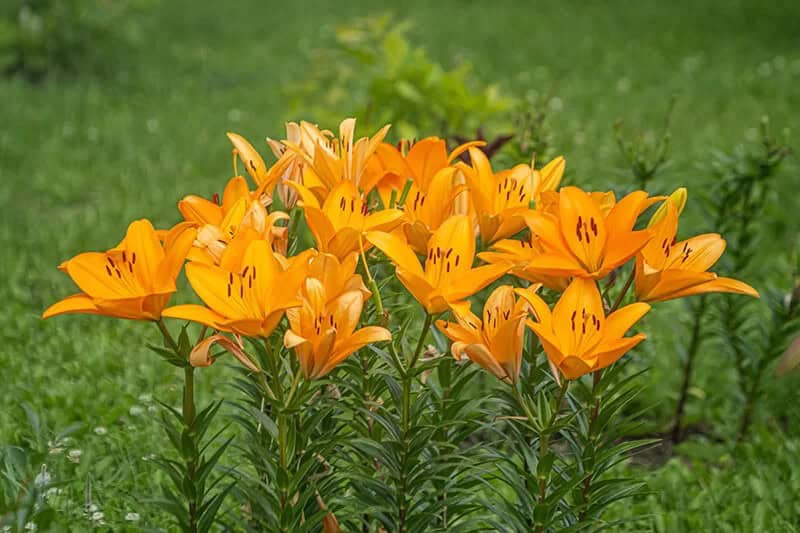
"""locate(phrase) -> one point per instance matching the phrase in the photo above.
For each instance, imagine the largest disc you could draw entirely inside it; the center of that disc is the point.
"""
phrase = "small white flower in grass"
(52, 492)
(98, 518)
(43, 478)
(30, 526)
(146, 398)
(100, 431)
(132, 517)
(136, 410)
(6, 529)
(74, 456)
(91, 508)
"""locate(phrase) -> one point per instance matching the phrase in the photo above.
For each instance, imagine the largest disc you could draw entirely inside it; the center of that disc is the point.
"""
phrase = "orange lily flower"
(519, 255)
(218, 224)
(495, 343)
(339, 223)
(392, 166)
(433, 190)
(133, 280)
(666, 269)
(306, 137)
(334, 273)
(323, 332)
(501, 199)
(581, 236)
(249, 301)
(264, 178)
(577, 336)
(448, 277)
(333, 162)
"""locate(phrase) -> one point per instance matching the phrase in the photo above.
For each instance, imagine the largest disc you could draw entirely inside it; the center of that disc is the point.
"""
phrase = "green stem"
(373, 287)
(293, 388)
(188, 423)
(691, 353)
(544, 441)
(587, 483)
(624, 290)
(407, 377)
(405, 419)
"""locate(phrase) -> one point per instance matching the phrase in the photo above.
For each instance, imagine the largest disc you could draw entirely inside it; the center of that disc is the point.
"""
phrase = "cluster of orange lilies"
(426, 210)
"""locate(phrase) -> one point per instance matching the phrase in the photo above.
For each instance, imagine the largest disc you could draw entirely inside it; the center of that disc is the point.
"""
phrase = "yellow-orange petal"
(199, 210)
(195, 313)
(396, 250)
(77, 303)
(352, 343)
(623, 319)
(250, 157)
(141, 238)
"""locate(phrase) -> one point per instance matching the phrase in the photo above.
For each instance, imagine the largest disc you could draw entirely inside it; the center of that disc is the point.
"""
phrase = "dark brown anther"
(130, 267)
(229, 291)
(230, 278)
(250, 283)
(352, 205)
(124, 257)
(241, 290)
(244, 272)
(252, 165)
(215, 198)
(133, 258)
(342, 204)
(119, 274)
(458, 258)
(254, 272)
(449, 251)
(594, 226)
(108, 270)
(111, 262)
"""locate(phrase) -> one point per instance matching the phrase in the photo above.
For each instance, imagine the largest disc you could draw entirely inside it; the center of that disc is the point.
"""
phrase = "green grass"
(81, 156)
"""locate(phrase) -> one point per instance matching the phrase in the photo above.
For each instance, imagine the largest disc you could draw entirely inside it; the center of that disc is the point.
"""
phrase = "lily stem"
(188, 421)
(624, 290)
(587, 483)
(405, 418)
(544, 441)
(373, 287)
(688, 366)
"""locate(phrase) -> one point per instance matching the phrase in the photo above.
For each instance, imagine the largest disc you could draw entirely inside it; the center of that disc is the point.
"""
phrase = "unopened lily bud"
(678, 199)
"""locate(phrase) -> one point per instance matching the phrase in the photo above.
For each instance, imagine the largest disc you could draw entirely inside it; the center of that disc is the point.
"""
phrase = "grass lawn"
(81, 156)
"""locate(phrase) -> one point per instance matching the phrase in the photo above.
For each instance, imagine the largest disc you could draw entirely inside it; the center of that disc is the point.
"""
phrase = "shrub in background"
(43, 37)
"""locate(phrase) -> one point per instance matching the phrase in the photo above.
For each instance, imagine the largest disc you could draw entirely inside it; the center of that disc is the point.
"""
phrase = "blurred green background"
(114, 111)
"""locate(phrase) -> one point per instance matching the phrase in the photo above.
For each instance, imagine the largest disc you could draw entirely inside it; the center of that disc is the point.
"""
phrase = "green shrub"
(41, 37)
(373, 71)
